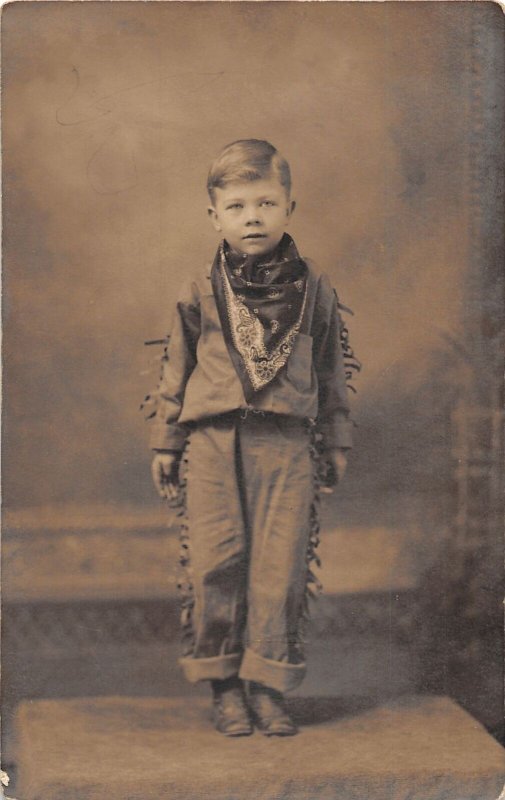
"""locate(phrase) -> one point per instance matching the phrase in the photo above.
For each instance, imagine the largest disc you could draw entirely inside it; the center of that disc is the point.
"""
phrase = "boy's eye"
(268, 203)
(234, 205)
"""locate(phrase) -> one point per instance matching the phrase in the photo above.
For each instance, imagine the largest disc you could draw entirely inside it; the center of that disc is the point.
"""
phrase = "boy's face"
(252, 215)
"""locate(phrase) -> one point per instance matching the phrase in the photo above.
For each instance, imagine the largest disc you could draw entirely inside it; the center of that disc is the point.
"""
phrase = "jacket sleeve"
(333, 422)
(177, 365)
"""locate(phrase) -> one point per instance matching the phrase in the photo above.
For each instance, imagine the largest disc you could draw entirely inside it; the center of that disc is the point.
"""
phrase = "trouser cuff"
(215, 668)
(276, 674)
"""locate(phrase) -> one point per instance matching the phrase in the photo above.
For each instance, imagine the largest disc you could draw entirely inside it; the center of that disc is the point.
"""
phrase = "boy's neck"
(237, 258)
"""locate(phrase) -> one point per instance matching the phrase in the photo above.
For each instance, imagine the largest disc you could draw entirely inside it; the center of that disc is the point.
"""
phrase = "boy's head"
(249, 186)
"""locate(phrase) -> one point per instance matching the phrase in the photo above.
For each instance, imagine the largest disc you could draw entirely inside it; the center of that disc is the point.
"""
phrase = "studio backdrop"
(389, 114)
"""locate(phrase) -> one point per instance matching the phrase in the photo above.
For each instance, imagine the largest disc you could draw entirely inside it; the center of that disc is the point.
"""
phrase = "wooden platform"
(119, 748)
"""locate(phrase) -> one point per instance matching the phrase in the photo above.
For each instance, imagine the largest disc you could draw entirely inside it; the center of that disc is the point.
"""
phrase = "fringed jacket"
(199, 380)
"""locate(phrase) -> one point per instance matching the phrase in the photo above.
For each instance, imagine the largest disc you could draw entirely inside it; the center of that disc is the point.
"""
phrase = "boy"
(254, 374)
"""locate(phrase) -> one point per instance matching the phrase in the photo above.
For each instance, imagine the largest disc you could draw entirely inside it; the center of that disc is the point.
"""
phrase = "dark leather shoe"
(231, 716)
(269, 713)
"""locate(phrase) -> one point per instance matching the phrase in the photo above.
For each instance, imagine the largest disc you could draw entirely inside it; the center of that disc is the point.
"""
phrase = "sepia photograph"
(253, 400)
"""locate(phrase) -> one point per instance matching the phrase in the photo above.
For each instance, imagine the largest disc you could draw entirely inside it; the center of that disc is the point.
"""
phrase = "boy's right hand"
(165, 472)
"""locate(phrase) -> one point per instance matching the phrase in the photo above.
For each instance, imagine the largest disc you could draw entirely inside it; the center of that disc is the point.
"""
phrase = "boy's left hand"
(338, 458)
(336, 461)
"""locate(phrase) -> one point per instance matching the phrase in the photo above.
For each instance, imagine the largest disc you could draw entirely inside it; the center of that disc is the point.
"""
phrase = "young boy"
(254, 374)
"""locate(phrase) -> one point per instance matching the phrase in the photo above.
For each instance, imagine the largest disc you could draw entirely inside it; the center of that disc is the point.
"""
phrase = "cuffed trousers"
(249, 495)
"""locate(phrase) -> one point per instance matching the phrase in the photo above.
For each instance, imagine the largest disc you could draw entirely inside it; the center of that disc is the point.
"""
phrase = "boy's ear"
(212, 213)
(291, 208)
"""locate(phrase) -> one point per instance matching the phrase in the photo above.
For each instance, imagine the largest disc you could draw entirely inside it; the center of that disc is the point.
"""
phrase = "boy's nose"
(253, 218)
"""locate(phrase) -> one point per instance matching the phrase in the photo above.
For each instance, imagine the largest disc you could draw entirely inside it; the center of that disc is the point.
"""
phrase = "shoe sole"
(266, 731)
(236, 734)
(277, 733)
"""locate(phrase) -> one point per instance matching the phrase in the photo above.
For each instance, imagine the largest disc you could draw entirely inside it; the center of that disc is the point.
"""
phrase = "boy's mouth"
(255, 236)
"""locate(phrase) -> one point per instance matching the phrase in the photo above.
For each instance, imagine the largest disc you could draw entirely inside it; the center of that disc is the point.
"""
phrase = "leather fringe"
(149, 404)
(352, 364)
(313, 586)
(185, 581)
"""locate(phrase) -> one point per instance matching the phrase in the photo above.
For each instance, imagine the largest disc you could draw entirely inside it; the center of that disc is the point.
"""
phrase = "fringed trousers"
(249, 494)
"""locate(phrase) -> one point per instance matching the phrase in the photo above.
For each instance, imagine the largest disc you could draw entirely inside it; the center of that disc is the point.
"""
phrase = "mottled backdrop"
(112, 113)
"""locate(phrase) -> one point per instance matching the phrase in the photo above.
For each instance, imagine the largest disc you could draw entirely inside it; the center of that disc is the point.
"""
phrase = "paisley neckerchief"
(260, 300)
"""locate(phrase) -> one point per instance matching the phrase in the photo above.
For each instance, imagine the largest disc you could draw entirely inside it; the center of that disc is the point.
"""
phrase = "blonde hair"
(248, 160)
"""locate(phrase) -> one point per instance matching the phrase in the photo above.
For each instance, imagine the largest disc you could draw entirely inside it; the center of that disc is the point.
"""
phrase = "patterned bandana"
(260, 300)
